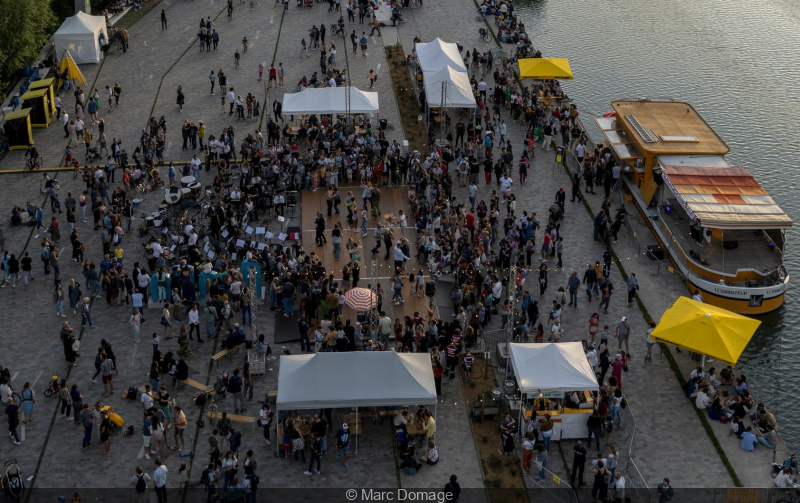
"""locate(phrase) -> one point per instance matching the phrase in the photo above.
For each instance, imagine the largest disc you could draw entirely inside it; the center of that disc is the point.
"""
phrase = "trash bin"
(384, 123)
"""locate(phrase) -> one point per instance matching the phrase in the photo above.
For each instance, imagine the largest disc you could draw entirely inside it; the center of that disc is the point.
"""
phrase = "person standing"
(665, 492)
(12, 416)
(179, 420)
(607, 289)
(343, 444)
(28, 401)
(86, 315)
(136, 322)
(235, 388)
(160, 481)
(139, 481)
(633, 286)
(88, 424)
(106, 369)
(265, 417)
(623, 332)
(194, 323)
(163, 19)
(316, 455)
(578, 463)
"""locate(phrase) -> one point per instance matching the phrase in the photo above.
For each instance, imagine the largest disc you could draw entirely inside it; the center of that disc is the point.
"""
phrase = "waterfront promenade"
(670, 439)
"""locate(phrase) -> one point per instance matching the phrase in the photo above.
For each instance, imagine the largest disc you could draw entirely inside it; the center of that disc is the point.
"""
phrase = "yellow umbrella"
(73, 72)
(544, 68)
(705, 329)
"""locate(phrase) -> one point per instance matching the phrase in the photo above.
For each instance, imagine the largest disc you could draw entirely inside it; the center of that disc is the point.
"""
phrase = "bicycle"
(485, 35)
(337, 30)
(31, 164)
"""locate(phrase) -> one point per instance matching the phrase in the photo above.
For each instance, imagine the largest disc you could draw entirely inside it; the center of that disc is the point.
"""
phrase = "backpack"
(204, 477)
(254, 478)
(141, 485)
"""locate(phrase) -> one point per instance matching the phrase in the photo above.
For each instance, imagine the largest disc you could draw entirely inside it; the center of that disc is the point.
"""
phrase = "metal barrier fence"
(635, 485)
(547, 486)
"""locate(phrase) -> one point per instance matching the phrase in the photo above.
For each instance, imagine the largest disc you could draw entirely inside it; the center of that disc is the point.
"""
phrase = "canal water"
(738, 64)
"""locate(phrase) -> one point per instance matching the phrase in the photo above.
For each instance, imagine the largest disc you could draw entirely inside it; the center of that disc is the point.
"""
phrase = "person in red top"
(273, 76)
(545, 246)
(437, 376)
(452, 359)
(471, 225)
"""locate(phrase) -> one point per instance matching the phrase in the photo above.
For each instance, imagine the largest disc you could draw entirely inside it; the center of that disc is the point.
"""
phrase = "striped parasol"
(360, 299)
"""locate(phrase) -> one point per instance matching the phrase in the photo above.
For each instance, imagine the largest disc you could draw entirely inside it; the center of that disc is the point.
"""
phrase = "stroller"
(12, 482)
(93, 154)
(221, 386)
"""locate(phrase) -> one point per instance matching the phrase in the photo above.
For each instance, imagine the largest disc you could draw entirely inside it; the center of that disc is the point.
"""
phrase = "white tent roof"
(79, 35)
(355, 379)
(329, 100)
(552, 367)
(458, 91)
(437, 54)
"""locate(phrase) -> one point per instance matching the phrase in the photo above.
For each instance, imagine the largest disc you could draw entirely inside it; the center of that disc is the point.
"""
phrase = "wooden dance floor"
(393, 199)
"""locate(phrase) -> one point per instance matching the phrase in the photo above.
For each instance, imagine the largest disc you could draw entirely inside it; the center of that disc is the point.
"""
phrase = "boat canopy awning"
(724, 198)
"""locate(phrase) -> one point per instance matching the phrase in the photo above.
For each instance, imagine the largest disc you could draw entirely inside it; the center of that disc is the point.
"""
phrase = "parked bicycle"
(485, 35)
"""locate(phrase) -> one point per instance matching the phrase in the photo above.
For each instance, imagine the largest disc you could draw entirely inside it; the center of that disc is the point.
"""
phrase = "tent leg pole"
(703, 362)
(358, 431)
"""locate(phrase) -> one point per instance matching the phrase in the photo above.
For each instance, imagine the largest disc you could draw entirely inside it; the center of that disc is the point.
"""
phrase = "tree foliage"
(25, 26)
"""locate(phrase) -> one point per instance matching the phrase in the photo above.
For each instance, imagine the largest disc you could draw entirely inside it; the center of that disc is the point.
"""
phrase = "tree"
(25, 26)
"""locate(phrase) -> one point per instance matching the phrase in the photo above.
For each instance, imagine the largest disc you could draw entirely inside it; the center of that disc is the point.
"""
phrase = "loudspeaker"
(430, 289)
(654, 252)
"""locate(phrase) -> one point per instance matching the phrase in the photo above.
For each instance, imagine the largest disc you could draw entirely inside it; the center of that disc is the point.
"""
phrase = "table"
(414, 426)
(302, 424)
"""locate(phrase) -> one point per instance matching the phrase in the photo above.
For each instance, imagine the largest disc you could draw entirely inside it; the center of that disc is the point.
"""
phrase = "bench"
(234, 418)
(222, 353)
(202, 387)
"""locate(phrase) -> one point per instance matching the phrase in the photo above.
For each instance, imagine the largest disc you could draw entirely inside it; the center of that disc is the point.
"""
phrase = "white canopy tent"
(437, 54)
(329, 100)
(457, 89)
(552, 367)
(355, 379)
(80, 35)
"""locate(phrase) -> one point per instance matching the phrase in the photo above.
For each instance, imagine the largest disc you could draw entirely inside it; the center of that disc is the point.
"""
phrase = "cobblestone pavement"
(667, 428)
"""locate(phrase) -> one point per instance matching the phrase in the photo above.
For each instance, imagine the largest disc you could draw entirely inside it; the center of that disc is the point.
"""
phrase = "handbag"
(298, 444)
(76, 345)
(164, 321)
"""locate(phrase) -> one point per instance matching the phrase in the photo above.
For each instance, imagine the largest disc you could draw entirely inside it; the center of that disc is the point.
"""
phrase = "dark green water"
(738, 64)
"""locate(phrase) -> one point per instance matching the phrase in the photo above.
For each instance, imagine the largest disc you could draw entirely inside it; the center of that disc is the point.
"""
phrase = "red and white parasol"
(361, 299)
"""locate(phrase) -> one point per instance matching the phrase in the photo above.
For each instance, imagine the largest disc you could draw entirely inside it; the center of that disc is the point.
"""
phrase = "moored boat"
(713, 221)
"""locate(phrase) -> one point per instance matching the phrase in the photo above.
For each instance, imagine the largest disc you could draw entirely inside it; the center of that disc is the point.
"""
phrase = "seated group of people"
(409, 460)
(703, 388)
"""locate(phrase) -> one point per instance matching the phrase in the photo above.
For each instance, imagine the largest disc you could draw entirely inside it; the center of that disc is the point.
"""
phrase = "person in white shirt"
(196, 164)
(194, 323)
(784, 478)
(231, 99)
(157, 251)
(146, 399)
(505, 185)
(619, 488)
(592, 357)
(160, 481)
(193, 237)
(702, 401)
